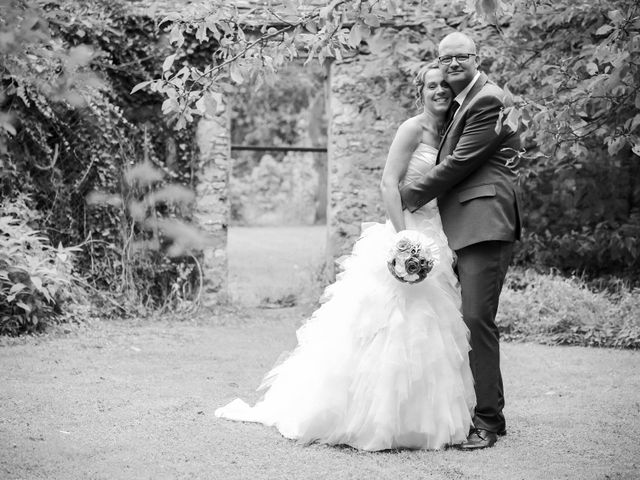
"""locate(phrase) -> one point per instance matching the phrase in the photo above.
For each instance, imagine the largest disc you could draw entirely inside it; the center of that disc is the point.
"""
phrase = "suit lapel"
(482, 80)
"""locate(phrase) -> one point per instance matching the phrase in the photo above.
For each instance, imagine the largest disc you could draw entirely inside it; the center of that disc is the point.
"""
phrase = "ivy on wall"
(69, 127)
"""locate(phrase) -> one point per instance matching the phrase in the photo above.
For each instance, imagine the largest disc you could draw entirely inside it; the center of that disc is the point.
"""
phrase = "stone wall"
(212, 210)
(358, 142)
(359, 139)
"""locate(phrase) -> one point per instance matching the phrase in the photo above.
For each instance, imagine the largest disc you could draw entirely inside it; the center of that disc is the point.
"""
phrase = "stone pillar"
(213, 137)
(358, 144)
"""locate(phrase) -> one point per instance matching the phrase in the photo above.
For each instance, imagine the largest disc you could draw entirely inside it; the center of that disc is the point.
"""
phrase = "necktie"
(449, 117)
(452, 111)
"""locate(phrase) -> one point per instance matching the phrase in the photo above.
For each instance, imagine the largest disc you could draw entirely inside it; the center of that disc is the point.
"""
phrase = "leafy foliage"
(71, 127)
(563, 311)
(276, 193)
(36, 279)
(150, 212)
(246, 47)
(572, 68)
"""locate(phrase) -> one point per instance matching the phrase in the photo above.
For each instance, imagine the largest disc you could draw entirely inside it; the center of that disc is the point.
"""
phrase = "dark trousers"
(481, 269)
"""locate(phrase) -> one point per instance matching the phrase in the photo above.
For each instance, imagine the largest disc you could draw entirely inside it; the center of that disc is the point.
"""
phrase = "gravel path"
(136, 400)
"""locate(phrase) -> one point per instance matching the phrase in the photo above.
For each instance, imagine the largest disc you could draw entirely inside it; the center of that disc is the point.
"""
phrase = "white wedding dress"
(380, 364)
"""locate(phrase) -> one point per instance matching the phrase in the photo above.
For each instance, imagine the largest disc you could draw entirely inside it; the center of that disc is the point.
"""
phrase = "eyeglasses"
(447, 59)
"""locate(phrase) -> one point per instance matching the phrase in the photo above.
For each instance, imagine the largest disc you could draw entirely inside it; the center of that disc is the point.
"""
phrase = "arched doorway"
(278, 189)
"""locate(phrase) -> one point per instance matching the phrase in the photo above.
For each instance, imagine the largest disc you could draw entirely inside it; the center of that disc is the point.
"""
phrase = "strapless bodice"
(422, 160)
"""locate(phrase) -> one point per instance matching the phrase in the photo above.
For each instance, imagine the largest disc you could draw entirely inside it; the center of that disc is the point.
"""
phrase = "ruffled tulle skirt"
(381, 364)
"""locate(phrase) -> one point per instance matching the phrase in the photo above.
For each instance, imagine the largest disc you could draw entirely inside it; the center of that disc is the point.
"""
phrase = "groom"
(477, 199)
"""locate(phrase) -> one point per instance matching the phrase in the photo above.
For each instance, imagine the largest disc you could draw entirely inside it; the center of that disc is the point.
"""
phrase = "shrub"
(556, 310)
(276, 193)
(158, 266)
(69, 126)
(36, 279)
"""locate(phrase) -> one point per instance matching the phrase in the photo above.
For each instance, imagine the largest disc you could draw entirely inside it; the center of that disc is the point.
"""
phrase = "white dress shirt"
(463, 94)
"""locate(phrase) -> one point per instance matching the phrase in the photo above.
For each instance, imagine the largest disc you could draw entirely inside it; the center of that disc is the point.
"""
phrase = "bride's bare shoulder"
(411, 127)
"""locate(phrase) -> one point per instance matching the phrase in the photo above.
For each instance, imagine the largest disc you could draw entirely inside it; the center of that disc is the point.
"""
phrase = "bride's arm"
(405, 142)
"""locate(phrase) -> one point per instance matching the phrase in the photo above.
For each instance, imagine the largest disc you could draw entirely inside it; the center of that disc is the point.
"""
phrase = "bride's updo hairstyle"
(418, 81)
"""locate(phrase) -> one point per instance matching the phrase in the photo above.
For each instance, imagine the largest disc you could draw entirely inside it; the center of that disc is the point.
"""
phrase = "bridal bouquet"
(412, 256)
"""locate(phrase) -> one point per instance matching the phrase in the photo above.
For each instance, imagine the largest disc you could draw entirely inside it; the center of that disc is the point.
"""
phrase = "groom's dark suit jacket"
(475, 187)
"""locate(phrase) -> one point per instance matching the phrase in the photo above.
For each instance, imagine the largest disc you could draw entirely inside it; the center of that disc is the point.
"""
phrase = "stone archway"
(357, 148)
(213, 137)
(358, 145)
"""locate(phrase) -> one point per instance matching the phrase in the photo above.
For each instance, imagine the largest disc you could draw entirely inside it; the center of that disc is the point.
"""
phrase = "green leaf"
(171, 17)
(201, 33)
(24, 306)
(170, 105)
(176, 36)
(508, 97)
(181, 123)
(371, 20)
(355, 37)
(200, 105)
(615, 145)
(37, 282)
(140, 86)
(513, 119)
(168, 62)
(212, 25)
(592, 68)
(605, 30)
(7, 127)
(18, 287)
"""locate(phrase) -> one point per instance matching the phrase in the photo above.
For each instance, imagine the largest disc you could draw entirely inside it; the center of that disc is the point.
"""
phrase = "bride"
(381, 364)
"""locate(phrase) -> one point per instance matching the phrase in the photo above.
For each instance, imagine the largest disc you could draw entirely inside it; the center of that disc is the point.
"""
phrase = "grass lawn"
(267, 264)
(135, 399)
(116, 400)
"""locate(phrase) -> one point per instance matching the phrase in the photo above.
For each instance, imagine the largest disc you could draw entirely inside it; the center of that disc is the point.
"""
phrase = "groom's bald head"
(458, 39)
(457, 56)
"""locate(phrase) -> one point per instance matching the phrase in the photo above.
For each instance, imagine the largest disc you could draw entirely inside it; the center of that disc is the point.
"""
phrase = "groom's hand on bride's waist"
(405, 198)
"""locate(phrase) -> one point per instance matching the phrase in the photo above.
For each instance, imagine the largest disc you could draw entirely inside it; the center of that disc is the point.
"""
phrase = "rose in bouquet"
(412, 256)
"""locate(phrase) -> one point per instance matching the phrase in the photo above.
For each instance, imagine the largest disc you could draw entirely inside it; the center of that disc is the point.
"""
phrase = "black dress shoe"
(501, 433)
(479, 438)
